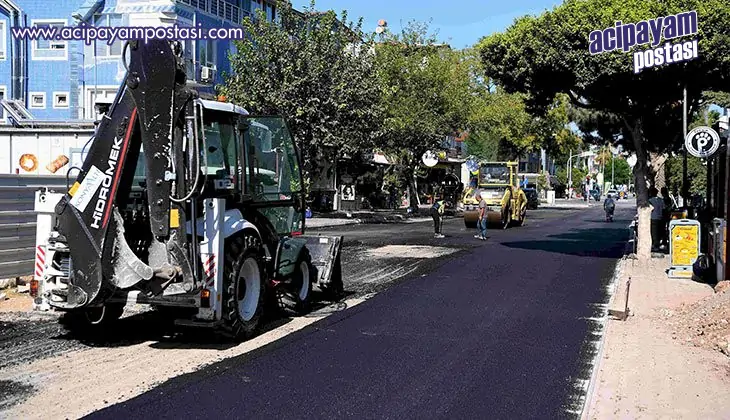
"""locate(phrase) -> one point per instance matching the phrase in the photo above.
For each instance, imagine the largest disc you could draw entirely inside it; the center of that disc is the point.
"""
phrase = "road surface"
(452, 327)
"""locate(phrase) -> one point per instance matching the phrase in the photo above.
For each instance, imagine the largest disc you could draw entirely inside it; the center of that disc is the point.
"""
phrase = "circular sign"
(429, 159)
(702, 142)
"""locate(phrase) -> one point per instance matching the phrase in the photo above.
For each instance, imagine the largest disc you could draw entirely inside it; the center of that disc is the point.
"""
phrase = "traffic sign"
(702, 142)
(429, 159)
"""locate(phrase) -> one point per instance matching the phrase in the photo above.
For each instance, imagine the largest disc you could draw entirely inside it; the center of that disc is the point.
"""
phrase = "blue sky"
(460, 23)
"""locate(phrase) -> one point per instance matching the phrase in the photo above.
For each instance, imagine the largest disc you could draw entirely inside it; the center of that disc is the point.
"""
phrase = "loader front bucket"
(325, 251)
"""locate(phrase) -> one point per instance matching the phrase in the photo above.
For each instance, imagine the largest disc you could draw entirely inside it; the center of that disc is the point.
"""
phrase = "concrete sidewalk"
(645, 368)
(568, 204)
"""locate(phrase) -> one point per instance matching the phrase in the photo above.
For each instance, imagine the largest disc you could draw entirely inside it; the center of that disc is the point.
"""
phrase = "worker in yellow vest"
(437, 212)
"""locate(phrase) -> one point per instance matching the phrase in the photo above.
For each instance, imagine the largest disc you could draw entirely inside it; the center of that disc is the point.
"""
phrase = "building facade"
(69, 80)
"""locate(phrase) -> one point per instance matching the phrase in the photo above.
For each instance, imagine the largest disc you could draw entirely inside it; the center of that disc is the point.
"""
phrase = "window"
(102, 95)
(101, 47)
(3, 41)
(494, 174)
(273, 165)
(221, 146)
(3, 116)
(49, 49)
(38, 100)
(60, 100)
(208, 53)
(272, 171)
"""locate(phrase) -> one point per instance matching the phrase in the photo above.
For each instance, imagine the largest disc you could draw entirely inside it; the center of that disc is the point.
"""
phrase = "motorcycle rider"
(609, 205)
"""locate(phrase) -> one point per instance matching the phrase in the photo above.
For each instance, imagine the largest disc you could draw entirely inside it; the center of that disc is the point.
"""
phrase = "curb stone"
(598, 358)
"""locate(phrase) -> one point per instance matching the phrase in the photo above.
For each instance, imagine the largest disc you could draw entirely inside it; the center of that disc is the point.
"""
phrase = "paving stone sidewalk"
(647, 371)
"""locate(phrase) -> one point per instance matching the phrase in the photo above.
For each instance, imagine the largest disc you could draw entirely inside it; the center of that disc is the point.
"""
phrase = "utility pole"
(570, 175)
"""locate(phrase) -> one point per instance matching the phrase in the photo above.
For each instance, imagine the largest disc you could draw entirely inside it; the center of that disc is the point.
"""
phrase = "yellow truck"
(499, 184)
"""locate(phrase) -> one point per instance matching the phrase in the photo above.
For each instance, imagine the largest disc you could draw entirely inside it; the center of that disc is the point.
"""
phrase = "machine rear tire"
(296, 298)
(244, 279)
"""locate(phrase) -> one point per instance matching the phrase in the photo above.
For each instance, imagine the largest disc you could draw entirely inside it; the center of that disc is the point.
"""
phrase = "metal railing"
(18, 220)
(220, 8)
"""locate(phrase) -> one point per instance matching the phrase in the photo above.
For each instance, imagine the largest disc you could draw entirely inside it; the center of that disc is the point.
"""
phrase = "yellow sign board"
(685, 244)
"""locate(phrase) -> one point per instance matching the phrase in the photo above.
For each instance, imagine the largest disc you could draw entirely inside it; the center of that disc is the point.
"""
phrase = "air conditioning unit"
(207, 74)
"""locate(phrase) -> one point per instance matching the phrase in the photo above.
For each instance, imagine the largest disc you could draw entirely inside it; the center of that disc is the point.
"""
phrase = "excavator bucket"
(325, 251)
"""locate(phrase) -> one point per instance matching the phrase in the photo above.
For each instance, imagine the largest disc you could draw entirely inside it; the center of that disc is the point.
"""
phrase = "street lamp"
(570, 169)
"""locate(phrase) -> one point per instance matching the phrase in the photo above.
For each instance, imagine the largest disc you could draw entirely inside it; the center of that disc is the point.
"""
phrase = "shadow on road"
(159, 328)
(594, 234)
(593, 242)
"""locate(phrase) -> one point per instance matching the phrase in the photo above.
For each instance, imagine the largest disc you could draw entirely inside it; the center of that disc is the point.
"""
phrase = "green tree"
(549, 54)
(318, 72)
(622, 174)
(425, 91)
(696, 174)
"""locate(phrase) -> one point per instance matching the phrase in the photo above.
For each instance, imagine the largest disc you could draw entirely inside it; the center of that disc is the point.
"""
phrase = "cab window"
(221, 146)
(272, 167)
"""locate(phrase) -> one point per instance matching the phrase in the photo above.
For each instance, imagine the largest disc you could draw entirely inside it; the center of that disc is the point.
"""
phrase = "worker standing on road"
(482, 222)
(437, 212)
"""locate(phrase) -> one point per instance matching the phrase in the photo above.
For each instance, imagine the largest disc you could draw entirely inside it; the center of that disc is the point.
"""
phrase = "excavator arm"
(149, 115)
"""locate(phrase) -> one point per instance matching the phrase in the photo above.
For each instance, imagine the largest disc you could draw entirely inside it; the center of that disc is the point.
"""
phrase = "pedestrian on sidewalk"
(657, 219)
(482, 221)
(437, 212)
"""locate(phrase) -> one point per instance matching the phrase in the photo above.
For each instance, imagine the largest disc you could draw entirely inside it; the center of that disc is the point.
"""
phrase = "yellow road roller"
(498, 183)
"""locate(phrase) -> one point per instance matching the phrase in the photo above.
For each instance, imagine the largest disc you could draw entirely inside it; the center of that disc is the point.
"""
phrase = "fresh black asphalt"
(503, 330)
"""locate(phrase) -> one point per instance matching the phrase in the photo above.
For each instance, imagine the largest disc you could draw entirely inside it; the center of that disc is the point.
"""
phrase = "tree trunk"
(641, 177)
(658, 169)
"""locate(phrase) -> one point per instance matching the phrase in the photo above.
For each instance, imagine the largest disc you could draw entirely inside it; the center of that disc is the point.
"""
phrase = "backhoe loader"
(182, 203)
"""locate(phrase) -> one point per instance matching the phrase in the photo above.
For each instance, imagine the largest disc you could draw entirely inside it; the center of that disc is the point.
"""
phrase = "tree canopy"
(545, 55)
(314, 69)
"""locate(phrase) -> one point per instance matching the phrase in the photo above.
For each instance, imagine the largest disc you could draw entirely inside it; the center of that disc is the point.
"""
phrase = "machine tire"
(296, 298)
(470, 225)
(335, 289)
(243, 256)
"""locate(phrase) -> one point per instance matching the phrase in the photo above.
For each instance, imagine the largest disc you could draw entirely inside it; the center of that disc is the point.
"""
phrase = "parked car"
(613, 193)
(532, 199)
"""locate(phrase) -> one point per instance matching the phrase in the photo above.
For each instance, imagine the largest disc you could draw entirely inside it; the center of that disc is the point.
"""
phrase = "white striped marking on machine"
(209, 267)
(40, 261)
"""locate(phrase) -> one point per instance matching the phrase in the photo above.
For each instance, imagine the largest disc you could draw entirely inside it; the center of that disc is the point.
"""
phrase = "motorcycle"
(609, 215)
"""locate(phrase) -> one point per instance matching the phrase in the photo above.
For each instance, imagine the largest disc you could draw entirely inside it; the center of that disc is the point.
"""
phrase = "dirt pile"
(705, 323)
